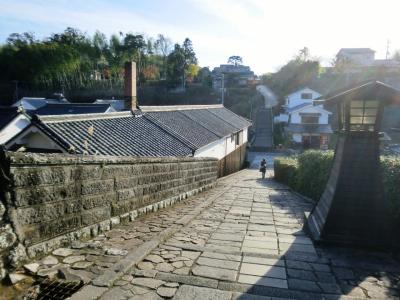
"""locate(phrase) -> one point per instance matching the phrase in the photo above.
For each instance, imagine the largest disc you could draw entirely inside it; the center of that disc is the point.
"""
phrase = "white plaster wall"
(282, 118)
(365, 59)
(294, 99)
(295, 117)
(12, 129)
(230, 145)
(245, 135)
(215, 149)
(37, 140)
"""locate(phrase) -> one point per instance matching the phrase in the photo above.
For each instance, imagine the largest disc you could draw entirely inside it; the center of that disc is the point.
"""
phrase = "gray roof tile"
(127, 135)
(210, 121)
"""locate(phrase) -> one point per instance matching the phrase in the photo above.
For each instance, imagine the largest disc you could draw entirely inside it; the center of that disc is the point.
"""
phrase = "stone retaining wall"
(52, 199)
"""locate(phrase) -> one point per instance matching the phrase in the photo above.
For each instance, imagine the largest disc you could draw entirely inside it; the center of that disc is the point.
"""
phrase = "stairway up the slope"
(263, 130)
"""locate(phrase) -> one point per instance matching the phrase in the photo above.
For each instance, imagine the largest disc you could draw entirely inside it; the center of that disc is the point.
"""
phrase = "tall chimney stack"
(130, 86)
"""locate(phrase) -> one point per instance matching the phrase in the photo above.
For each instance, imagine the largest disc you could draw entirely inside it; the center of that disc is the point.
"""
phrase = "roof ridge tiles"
(178, 107)
(85, 117)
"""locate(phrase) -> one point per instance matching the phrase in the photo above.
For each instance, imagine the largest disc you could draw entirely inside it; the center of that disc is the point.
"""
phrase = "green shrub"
(313, 172)
(391, 180)
(285, 170)
(308, 174)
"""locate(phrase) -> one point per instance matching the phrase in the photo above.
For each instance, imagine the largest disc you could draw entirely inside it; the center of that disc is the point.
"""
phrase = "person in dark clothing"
(263, 167)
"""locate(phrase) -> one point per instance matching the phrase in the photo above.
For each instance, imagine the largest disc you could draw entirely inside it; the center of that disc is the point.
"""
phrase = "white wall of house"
(230, 144)
(215, 149)
(295, 117)
(38, 140)
(245, 135)
(35, 139)
(13, 128)
(221, 148)
(281, 118)
(364, 58)
(305, 95)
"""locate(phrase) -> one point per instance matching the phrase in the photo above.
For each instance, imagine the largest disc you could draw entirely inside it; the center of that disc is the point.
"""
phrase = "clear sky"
(266, 33)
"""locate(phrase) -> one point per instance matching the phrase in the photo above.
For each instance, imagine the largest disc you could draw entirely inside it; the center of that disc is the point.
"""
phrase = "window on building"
(363, 115)
(239, 138)
(309, 119)
(306, 95)
(232, 138)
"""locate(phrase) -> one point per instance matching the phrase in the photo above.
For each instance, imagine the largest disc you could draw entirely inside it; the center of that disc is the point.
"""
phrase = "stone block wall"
(52, 199)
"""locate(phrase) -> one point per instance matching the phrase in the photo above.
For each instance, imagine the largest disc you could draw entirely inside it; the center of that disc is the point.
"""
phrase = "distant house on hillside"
(307, 123)
(31, 103)
(238, 75)
(355, 60)
(309, 126)
(358, 56)
(301, 96)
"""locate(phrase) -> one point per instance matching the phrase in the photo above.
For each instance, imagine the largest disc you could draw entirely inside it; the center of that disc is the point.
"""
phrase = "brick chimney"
(130, 86)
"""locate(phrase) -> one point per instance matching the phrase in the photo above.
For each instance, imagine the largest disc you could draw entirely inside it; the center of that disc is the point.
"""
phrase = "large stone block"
(97, 187)
(124, 183)
(122, 207)
(35, 176)
(47, 212)
(85, 172)
(92, 201)
(44, 194)
(96, 215)
(45, 230)
(7, 237)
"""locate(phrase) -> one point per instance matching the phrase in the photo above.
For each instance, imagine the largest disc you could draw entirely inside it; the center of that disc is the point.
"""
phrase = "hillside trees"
(73, 60)
(298, 72)
(180, 64)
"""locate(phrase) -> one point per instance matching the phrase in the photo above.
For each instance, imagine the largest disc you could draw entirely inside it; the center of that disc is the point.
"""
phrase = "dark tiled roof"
(7, 114)
(62, 109)
(210, 121)
(309, 128)
(113, 134)
(356, 50)
(180, 124)
(230, 117)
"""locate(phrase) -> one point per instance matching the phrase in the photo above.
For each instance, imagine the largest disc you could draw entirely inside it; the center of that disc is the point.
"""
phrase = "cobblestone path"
(240, 240)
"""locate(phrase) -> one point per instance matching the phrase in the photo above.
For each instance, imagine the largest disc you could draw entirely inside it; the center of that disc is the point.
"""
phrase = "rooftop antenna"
(223, 88)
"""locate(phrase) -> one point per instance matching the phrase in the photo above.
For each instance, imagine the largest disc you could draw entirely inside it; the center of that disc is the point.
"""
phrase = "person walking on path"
(263, 167)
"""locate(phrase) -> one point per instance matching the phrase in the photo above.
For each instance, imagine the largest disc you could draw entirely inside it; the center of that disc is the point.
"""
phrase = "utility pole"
(223, 88)
(387, 49)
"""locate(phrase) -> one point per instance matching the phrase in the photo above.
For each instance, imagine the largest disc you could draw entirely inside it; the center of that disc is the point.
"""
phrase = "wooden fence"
(233, 162)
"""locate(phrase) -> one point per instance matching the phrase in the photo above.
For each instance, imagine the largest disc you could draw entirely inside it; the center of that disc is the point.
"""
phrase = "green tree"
(179, 61)
(235, 60)
(298, 72)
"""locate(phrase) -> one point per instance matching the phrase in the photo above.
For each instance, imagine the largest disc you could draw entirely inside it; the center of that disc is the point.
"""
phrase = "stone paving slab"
(247, 244)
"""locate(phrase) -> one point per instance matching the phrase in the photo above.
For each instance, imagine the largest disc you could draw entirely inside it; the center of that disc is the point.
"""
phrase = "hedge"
(308, 174)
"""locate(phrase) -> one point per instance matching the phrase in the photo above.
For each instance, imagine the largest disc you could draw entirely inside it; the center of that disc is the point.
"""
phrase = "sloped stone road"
(248, 243)
(240, 240)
